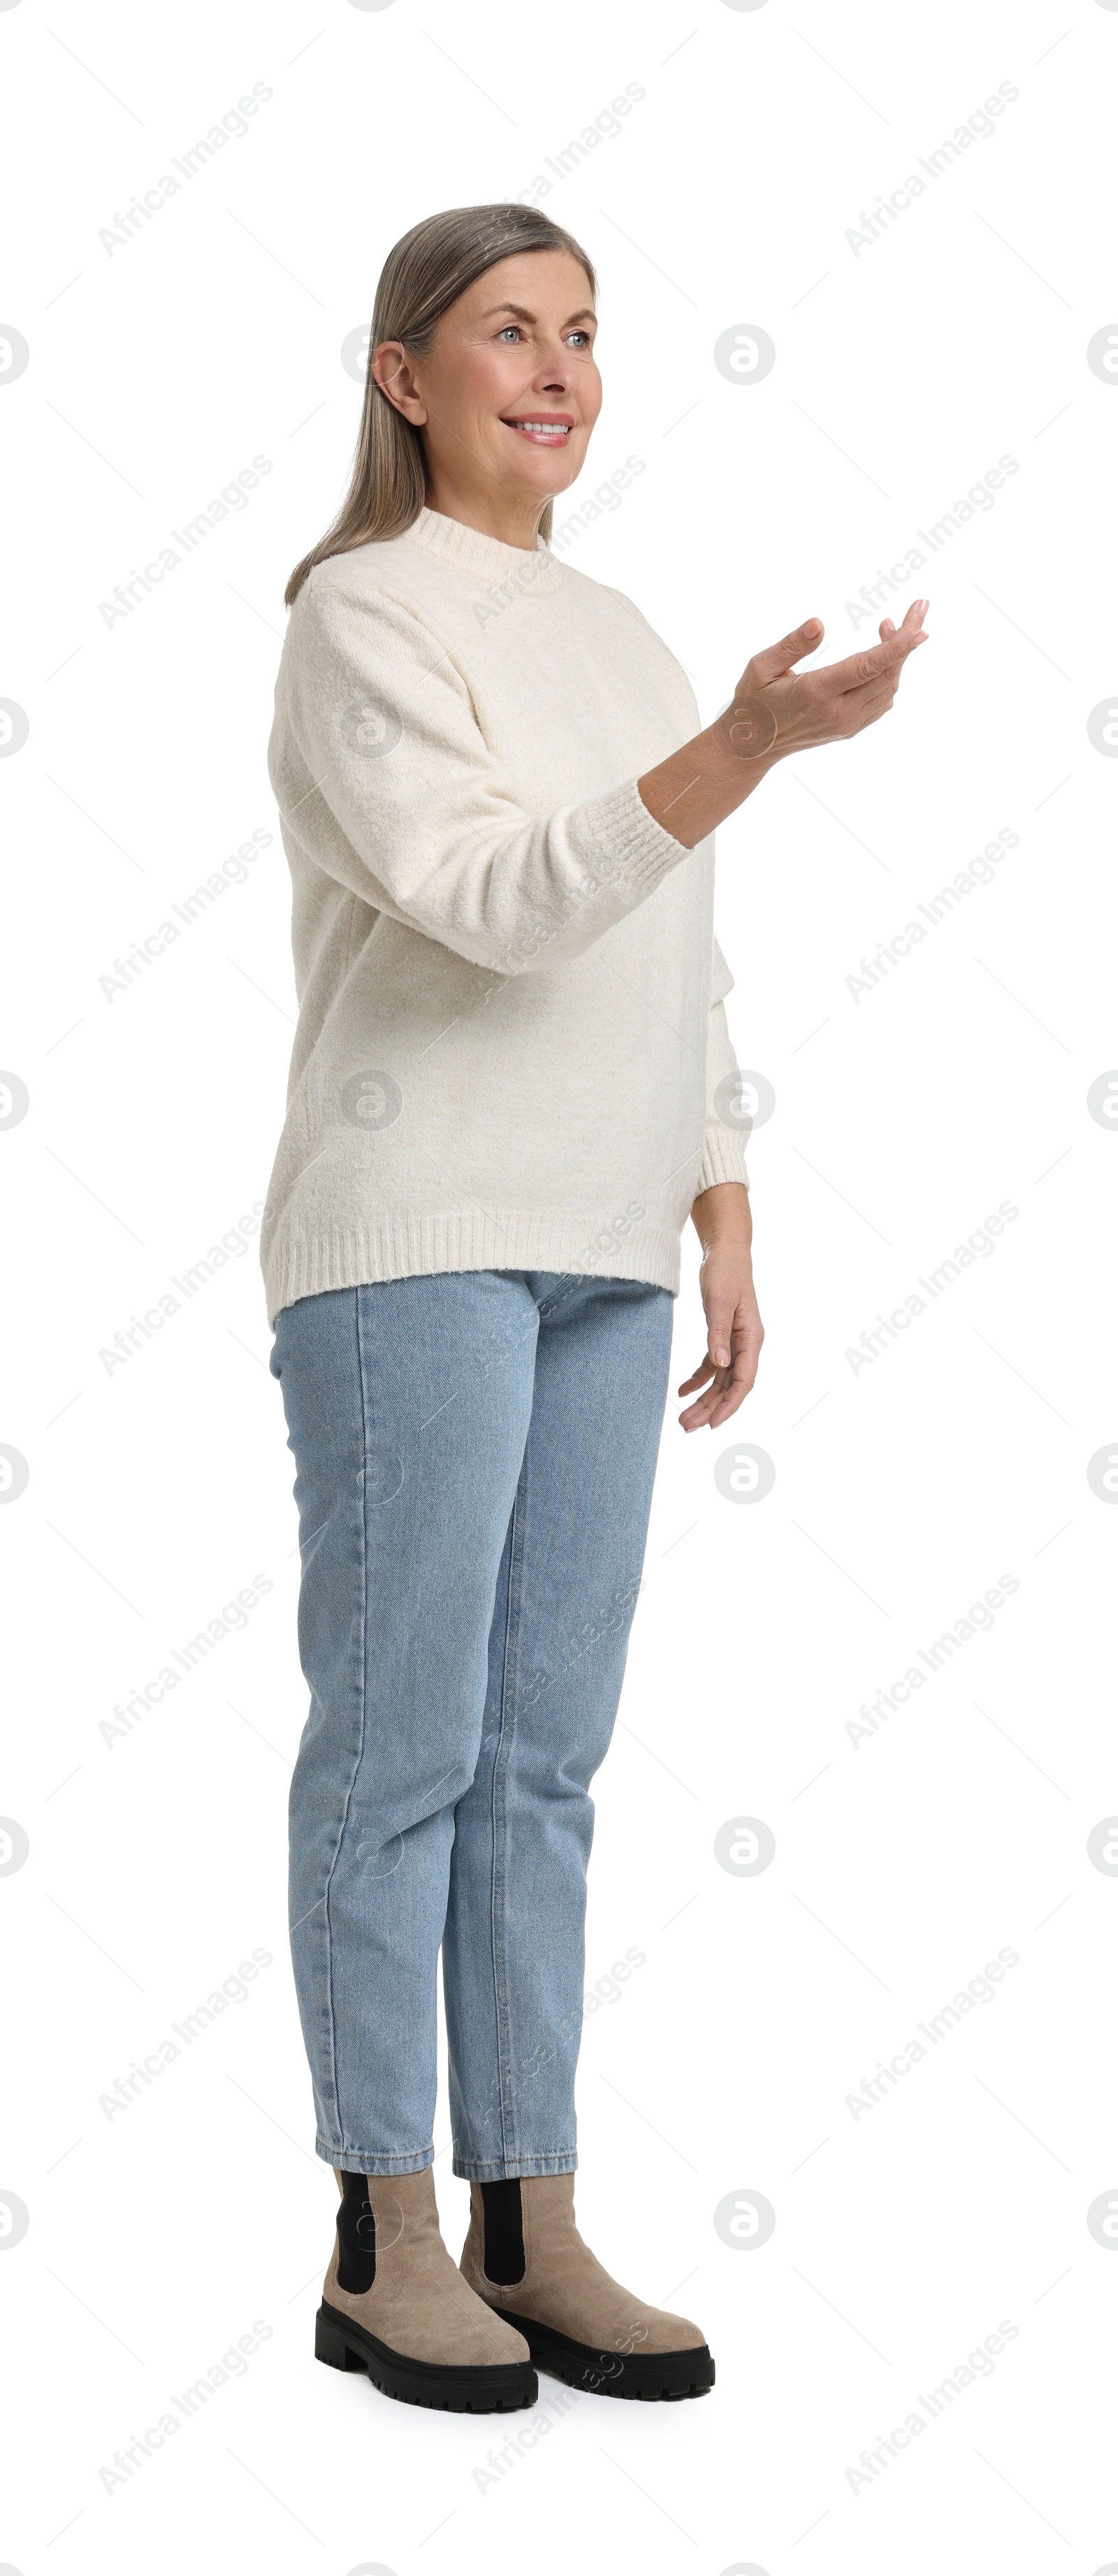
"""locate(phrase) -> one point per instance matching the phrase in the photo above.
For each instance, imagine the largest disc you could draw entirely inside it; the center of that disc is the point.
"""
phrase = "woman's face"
(509, 391)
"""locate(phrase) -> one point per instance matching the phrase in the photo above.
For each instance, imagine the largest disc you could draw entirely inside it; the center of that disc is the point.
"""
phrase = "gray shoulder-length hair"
(424, 274)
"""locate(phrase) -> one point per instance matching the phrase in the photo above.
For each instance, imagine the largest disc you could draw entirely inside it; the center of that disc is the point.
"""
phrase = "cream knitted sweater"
(510, 1030)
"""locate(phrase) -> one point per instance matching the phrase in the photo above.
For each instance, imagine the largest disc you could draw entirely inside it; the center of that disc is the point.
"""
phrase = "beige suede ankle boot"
(394, 2303)
(525, 2257)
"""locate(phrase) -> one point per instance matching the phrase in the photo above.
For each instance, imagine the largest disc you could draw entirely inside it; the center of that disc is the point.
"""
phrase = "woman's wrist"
(722, 1215)
(702, 784)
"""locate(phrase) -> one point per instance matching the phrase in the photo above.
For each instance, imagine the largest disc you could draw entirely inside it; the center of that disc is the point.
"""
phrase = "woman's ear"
(392, 370)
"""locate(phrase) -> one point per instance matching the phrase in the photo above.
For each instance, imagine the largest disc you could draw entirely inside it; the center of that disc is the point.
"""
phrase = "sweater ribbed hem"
(414, 1247)
(723, 1159)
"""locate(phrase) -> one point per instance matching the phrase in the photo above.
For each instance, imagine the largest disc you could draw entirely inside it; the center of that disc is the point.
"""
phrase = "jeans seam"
(363, 1599)
(499, 1819)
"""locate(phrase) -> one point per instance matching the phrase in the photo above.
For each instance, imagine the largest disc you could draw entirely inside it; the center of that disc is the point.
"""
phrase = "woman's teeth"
(547, 433)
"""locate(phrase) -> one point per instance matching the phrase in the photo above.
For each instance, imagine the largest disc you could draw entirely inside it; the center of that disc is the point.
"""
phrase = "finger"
(699, 1377)
(913, 617)
(874, 703)
(877, 707)
(730, 1385)
(885, 686)
(877, 692)
(779, 658)
(747, 1358)
(698, 1415)
(886, 629)
(874, 664)
(721, 1310)
(729, 1390)
(729, 1402)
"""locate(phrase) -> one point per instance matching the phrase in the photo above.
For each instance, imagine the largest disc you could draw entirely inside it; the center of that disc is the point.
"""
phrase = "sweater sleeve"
(379, 761)
(727, 1123)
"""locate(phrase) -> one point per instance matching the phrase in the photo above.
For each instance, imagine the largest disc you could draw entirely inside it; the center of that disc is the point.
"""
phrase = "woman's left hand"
(723, 1222)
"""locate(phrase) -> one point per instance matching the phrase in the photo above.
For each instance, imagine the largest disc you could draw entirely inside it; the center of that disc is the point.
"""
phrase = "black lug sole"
(648, 2375)
(485, 2388)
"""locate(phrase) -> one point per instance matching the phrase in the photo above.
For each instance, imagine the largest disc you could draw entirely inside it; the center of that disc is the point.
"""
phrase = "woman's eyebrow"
(587, 314)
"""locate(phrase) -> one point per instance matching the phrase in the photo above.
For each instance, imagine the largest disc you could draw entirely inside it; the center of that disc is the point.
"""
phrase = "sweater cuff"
(723, 1159)
(632, 841)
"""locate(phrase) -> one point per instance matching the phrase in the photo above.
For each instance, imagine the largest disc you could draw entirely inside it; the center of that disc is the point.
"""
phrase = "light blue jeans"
(474, 1456)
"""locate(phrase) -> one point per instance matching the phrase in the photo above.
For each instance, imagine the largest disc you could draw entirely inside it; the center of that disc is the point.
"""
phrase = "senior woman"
(506, 1096)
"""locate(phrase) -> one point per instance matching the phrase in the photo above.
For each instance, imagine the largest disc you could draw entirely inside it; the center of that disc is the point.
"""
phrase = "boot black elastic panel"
(357, 2236)
(504, 2232)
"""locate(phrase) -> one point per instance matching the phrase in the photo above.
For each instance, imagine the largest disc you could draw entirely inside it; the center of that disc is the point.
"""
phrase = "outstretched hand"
(777, 709)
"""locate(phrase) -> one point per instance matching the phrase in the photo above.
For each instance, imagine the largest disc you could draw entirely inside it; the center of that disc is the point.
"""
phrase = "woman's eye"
(511, 331)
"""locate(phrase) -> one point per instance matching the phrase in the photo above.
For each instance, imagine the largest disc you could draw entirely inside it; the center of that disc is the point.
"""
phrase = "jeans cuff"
(513, 2168)
(346, 2160)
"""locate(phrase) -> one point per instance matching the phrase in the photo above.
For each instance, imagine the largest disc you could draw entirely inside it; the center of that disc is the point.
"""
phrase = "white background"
(904, 1860)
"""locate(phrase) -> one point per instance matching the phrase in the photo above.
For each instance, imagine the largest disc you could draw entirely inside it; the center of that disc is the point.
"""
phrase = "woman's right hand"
(777, 710)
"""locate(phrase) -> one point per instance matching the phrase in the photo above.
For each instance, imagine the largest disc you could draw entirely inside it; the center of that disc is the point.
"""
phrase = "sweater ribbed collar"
(468, 547)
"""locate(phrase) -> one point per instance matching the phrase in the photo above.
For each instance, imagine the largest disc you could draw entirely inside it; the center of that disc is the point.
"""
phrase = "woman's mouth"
(545, 428)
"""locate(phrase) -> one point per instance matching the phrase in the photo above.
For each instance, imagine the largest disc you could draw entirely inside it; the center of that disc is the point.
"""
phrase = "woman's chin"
(540, 471)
